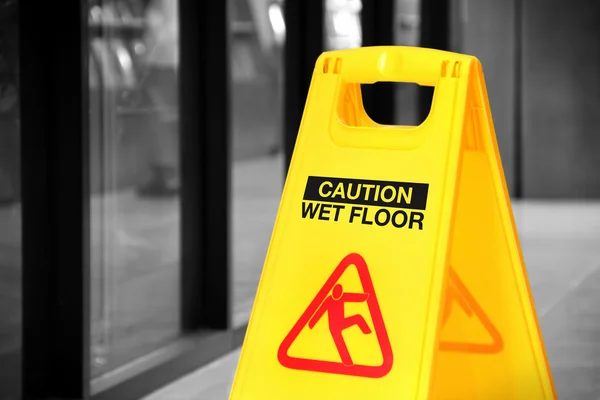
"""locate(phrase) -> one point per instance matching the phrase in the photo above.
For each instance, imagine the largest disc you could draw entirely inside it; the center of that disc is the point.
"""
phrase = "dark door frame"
(55, 199)
(304, 36)
(435, 34)
(377, 18)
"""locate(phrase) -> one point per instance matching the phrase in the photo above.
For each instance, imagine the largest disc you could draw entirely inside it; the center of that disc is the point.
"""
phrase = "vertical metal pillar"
(304, 44)
(55, 199)
(518, 103)
(378, 30)
(435, 34)
(206, 166)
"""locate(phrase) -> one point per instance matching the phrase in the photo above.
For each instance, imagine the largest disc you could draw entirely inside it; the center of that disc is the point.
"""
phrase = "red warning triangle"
(333, 304)
(457, 293)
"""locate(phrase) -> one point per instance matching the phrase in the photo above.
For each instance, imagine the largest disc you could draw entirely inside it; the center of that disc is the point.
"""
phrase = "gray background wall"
(560, 72)
(561, 98)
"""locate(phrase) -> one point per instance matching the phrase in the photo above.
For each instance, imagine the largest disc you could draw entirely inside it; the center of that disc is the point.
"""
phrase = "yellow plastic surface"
(416, 226)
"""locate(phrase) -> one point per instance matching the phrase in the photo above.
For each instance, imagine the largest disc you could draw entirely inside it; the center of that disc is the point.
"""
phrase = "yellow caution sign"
(394, 269)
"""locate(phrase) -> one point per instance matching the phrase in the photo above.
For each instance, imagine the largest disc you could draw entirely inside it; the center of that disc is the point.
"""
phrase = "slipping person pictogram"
(332, 299)
(334, 305)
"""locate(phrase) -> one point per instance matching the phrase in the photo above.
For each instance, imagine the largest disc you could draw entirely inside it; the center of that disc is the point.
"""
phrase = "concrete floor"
(560, 245)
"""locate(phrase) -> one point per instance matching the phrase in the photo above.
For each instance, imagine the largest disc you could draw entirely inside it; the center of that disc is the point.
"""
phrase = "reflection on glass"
(257, 111)
(343, 29)
(134, 117)
(277, 22)
(10, 213)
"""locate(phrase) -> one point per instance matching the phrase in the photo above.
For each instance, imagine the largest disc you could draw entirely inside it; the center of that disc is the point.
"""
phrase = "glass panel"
(135, 205)
(258, 170)
(10, 212)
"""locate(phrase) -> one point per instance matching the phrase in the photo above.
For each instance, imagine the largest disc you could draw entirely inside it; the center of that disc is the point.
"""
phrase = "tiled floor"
(560, 242)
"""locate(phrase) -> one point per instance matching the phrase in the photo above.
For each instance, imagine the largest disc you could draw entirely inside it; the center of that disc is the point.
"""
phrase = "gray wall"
(561, 98)
(560, 88)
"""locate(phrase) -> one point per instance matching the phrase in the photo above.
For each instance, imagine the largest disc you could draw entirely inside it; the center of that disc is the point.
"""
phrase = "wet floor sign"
(394, 269)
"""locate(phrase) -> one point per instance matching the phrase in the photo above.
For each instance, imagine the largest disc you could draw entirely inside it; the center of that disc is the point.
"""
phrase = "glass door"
(134, 178)
(256, 91)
